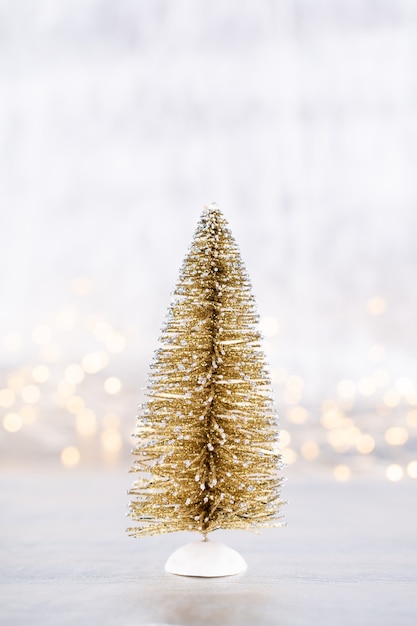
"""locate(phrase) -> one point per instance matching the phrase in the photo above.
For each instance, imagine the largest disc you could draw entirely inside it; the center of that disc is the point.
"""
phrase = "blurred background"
(118, 122)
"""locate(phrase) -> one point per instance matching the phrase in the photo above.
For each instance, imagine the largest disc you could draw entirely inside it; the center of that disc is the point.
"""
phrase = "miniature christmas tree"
(207, 434)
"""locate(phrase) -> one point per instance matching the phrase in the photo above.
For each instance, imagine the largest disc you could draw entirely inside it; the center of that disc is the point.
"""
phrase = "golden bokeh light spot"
(291, 397)
(289, 456)
(41, 373)
(51, 353)
(112, 385)
(411, 417)
(70, 456)
(66, 319)
(7, 397)
(297, 414)
(111, 440)
(329, 404)
(412, 469)
(30, 394)
(41, 334)
(74, 404)
(115, 343)
(12, 422)
(12, 342)
(332, 418)
(111, 420)
(342, 472)
(404, 386)
(396, 435)
(74, 374)
(284, 438)
(81, 285)
(411, 398)
(28, 413)
(337, 439)
(392, 398)
(279, 375)
(310, 450)
(394, 472)
(86, 422)
(365, 444)
(376, 305)
(294, 384)
(93, 362)
(346, 388)
(366, 387)
(377, 353)
(352, 435)
(269, 326)
(65, 389)
(102, 331)
(91, 321)
(381, 377)
(16, 382)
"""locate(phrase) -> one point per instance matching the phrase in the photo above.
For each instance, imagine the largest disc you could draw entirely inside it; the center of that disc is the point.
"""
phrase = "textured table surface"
(348, 556)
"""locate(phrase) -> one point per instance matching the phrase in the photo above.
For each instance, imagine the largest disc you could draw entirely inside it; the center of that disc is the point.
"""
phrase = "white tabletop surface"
(347, 557)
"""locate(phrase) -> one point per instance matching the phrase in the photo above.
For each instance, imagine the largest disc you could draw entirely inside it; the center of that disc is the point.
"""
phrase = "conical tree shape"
(207, 434)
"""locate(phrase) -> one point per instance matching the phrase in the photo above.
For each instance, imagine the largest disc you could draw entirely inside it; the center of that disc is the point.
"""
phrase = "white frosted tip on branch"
(210, 208)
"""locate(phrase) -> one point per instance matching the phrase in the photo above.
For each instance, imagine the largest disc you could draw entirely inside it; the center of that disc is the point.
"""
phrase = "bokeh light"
(51, 353)
(70, 456)
(7, 397)
(66, 319)
(75, 404)
(284, 438)
(279, 375)
(396, 435)
(381, 377)
(12, 342)
(394, 472)
(28, 413)
(346, 388)
(102, 330)
(30, 394)
(366, 387)
(93, 362)
(310, 450)
(376, 305)
(65, 388)
(365, 444)
(412, 469)
(81, 285)
(392, 398)
(297, 414)
(411, 418)
(86, 422)
(112, 385)
(377, 353)
(289, 456)
(404, 386)
(269, 326)
(42, 334)
(12, 422)
(74, 374)
(111, 440)
(15, 382)
(342, 472)
(115, 343)
(41, 373)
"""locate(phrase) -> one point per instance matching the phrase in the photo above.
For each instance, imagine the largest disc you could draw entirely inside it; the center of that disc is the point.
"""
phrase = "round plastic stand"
(207, 559)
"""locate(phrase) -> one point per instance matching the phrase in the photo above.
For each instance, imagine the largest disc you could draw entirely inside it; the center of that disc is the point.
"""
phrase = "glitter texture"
(206, 455)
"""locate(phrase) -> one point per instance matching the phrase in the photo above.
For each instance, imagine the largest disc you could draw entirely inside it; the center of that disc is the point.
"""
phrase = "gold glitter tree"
(207, 434)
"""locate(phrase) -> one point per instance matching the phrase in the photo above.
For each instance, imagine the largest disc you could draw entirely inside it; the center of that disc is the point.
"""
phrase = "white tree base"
(207, 559)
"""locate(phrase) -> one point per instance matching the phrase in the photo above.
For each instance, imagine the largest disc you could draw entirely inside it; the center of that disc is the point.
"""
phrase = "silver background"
(120, 120)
